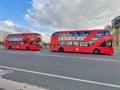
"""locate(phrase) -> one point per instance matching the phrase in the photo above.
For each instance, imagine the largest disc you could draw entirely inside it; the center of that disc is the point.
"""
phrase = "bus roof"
(24, 33)
(81, 30)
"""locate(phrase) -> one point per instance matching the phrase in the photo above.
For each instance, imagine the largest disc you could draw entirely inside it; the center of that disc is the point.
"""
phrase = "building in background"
(116, 31)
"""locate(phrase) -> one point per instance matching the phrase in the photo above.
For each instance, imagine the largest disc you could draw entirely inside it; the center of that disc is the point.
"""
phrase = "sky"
(14, 10)
(47, 16)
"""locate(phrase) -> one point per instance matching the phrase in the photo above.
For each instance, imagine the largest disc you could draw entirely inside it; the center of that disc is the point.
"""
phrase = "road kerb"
(12, 85)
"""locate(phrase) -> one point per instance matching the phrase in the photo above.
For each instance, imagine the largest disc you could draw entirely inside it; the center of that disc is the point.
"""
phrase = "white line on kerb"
(62, 77)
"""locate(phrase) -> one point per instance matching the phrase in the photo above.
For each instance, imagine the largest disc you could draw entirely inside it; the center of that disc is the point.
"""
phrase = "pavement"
(12, 85)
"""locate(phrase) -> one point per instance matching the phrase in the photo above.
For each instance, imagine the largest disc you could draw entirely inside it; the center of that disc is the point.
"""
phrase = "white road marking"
(4, 72)
(50, 55)
(37, 52)
(62, 77)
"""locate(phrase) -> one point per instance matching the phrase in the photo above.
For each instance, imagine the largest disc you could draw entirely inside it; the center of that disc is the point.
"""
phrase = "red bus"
(28, 41)
(86, 41)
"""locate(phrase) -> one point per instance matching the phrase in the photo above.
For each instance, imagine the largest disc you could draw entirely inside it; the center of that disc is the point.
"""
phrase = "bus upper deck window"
(107, 32)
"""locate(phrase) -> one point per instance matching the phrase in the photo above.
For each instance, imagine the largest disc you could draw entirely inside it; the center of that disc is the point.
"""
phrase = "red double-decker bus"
(28, 41)
(86, 41)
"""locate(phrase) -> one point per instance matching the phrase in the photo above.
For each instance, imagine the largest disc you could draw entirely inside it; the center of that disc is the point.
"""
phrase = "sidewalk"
(11, 85)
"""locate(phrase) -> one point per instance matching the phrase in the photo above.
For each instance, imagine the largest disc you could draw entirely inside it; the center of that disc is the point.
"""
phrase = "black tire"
(61, 50)
(27, 48)
(96, 51)
(9, 47)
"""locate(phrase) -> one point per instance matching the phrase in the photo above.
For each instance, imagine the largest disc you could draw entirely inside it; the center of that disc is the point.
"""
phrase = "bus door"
(54, 43)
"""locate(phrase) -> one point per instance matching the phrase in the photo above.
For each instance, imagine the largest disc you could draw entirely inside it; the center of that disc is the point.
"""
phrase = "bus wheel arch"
(96, 51)
(61, 49)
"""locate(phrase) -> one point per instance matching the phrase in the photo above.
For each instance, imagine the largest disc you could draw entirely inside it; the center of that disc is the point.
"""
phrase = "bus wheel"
(9, 47)
(96, 51)
(27, 48)
(61, 50)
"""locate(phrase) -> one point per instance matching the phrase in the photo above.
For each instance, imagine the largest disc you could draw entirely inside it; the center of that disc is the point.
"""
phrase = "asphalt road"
(62, 71)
